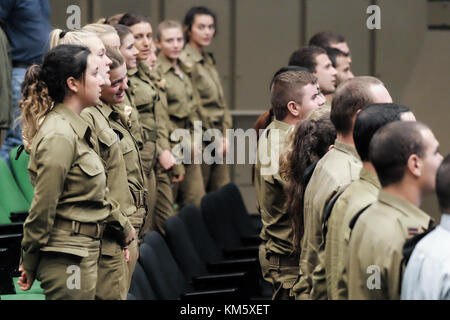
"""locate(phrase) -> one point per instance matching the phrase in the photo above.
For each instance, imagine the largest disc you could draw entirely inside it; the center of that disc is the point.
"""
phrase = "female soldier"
(112, 271)
(199, 27)
(114, 96)
(149, 97)
(62, 233)
(309, 141)
(105, 32)
(182, 105)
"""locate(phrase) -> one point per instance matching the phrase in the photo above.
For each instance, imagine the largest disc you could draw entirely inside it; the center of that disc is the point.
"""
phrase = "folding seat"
(12, 200)
(166, 278)
(248, 226)
(140, 288)
(219, 221)
(241, 273)
(19, 168)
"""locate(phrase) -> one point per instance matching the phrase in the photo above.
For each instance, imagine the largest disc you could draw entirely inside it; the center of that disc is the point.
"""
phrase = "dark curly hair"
(309, 141)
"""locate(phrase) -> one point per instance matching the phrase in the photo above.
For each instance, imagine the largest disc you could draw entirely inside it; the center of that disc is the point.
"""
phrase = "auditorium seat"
(19, 169)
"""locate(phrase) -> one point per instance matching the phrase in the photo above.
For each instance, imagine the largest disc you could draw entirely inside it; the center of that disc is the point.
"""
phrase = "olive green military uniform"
(164, 198)
(135, 175)
(340, 166)
(214, 112)
(182, 112)
(61, 242)
(271, 202)
(143, 93)
(375, 266)
(356, 197)
(112, 270)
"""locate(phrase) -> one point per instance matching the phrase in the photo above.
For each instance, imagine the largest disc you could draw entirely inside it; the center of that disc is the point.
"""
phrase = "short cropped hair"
(333, 53)
(443, 185)
(370, 119)
(306, 57)
(391, 147)
(325, 39)
(285, 69)
(350, 96)
(285, 88)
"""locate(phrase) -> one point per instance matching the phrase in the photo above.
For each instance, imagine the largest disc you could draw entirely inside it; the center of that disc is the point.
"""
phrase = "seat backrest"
(165, 276)
(183, 249)
(202, 240)
(140, 287)
(242, 221)
(12, 199)
(19, 169)
(219, 221)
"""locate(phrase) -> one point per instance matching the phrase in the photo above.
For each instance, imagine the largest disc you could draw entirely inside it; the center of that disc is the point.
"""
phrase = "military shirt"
(375, 249)
(357, 196)
(271, 198)
(206, 81)
(145, 95)
(133, 164)
(99, 118)
(135, 125)
(69, 182)
(338, 167)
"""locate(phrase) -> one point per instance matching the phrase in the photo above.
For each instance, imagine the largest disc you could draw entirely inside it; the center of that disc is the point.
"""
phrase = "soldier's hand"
(26, 279)
(130, 237)
(166, 159)
(178, 178)
(126, 254)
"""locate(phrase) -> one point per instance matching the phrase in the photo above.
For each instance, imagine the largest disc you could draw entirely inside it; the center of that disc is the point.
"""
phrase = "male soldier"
(340, 166)
(328, 39)
(294, 94)
(317, 61)
(341, 64)
(406, 157)
(357, 196)
(426, 274)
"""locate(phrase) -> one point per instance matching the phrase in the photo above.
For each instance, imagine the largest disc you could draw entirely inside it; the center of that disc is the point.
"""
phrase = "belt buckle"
(76, 226)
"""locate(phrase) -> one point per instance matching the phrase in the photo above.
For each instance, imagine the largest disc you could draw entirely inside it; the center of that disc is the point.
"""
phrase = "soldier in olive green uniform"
(338, 168)
(122, 123)
(61, 243)
(183, 104)
(375, 266)
(277, 233)
(206, 81)
(112, 271)
(357, 196)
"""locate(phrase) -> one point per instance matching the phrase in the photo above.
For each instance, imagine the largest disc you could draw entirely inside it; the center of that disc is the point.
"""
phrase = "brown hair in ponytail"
(43, 86)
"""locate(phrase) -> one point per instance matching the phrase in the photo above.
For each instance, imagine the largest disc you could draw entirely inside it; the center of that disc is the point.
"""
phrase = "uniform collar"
(78, 125)
(346, 148)
(193, 53)
(404, 206)
(281, 125)
(132, 72)
(370, 177)
(164, 63)
(104, 108)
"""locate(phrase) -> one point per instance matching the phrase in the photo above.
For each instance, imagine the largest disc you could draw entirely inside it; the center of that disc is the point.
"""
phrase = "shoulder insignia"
(212, 57)
(413, 231)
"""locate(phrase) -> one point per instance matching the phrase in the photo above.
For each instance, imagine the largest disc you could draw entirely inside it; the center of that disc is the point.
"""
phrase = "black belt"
(93, 230)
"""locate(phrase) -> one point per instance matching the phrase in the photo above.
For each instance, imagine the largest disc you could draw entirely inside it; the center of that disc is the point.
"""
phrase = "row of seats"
(205, 255)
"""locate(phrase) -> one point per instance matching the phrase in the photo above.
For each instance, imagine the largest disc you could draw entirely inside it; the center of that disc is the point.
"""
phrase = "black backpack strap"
(352, 223)
(327, 213)
(411, 243)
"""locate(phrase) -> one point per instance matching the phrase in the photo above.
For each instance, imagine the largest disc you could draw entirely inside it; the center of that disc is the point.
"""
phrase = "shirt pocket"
(144, 96)
(126, 145)
(205, 85)
(107, 137)
(90, 168)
